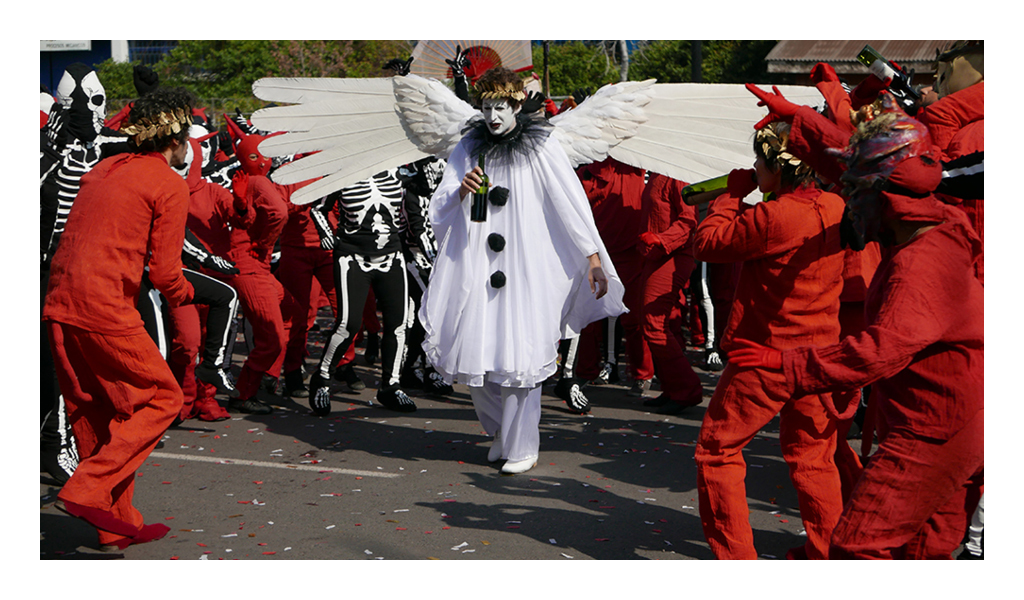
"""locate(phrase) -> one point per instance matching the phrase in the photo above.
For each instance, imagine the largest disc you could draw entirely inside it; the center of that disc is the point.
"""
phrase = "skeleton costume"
(505, 291)
(420, 179)
(368, 254)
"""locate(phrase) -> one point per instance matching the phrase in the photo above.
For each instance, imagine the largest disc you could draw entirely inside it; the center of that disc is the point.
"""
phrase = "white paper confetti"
(460, 546)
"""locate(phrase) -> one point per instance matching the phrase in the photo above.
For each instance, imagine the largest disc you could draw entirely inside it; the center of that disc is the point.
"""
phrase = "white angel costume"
(501, 341)
(502, 332)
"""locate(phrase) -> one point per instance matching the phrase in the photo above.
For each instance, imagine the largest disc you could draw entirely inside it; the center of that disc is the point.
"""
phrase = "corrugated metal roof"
(833, 51)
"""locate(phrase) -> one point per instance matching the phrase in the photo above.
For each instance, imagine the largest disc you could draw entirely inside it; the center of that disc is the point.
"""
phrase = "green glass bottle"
(478, 210)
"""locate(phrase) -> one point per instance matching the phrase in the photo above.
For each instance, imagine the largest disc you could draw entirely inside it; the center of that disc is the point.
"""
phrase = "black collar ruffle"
(526, 137)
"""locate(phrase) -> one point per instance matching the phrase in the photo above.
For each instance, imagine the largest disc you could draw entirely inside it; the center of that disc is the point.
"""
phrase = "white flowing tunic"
(509, 335)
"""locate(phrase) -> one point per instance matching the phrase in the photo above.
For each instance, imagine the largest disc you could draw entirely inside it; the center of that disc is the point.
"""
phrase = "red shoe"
(147, 533)
(208, 409)
(100, 519)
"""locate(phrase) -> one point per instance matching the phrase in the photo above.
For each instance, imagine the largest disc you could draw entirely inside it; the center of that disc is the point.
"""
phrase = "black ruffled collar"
(526, 137)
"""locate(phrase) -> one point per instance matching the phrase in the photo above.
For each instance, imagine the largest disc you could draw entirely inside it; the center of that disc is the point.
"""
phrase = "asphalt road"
(366, 483)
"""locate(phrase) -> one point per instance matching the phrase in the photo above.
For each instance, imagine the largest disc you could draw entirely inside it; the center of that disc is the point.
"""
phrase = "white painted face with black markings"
(499, 115)
(83, 92)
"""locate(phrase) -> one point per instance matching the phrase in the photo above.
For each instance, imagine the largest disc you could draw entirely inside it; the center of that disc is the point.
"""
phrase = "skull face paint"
(499, 115)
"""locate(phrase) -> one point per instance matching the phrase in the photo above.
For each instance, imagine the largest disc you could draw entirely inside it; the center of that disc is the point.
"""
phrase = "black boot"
(294, 386)
(348, 375)
(434, 384)
(395, 399)
(218, 378)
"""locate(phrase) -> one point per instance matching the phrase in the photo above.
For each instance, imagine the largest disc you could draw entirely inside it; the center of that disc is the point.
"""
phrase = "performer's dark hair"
(146, 112)
(499, 82)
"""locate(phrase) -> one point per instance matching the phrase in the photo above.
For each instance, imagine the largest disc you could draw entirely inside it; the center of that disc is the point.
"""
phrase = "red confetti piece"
(428, 532)
(168, 518)
(784, 520)
(258, 482)
(656, 530)
(262, 544)
(166, 482)
(602, 539)
(200, 544)
(446, 527)
(271, 552)
(174, 558)
(512, 527)
(400, 529)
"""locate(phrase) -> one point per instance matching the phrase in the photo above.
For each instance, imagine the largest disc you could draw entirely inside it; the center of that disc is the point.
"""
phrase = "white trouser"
(513, 411)
(976, 529)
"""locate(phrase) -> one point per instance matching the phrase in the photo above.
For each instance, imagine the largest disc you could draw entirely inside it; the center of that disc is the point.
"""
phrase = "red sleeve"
(679, 234)
(167, 236)
(838, 104)
(916, 311)
(271, 214)
(948, 115)
(810, 136)
(735, 232)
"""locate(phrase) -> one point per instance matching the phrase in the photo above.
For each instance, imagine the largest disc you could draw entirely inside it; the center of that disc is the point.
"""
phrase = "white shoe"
(494, 454)
(519, 466)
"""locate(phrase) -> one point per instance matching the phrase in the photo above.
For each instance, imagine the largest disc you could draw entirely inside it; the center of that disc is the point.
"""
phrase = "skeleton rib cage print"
(371, 216)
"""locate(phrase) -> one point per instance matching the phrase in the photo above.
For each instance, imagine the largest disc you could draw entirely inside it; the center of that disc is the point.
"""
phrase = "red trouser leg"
(851, 322)
(262, 295)
(629, 266)
(662, 327)
(121, 397)
(912, 499)
(744, 401)
(303, 271)
(186, 339)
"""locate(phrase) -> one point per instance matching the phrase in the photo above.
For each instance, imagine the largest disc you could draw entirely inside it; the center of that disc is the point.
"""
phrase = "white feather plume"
(611, 115)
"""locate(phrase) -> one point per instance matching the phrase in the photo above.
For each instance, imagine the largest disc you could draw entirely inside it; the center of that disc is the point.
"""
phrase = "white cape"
(509, 335)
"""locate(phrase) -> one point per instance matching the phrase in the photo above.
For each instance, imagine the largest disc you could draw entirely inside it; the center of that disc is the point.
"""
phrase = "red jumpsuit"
(261, 293)
(666, 270)
(303, 263)
(923, 352)
(615, 190)
(957, 125)
(787, 296)
(120, 393)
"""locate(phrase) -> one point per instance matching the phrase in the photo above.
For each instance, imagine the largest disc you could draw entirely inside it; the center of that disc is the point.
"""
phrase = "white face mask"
(499, 115)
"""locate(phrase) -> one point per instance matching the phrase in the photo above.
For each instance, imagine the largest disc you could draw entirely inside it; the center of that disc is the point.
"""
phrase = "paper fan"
(430, 57)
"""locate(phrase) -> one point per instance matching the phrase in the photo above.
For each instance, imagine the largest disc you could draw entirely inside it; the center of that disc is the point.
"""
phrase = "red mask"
(249, 145)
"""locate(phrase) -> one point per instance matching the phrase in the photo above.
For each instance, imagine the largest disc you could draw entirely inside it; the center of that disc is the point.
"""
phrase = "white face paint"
(499, 115)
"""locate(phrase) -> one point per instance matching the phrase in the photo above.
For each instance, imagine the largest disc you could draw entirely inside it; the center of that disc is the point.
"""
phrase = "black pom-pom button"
(498, 196)
(496, 242)
(497, 280)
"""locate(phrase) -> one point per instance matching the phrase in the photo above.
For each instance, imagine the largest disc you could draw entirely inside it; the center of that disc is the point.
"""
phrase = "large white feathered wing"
(695, 131)
(613, 114)
(355, 127)
(431, 115)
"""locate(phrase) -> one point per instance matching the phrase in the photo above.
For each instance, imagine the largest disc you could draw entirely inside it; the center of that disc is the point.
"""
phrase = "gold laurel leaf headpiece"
(166, 123)
(507, 90)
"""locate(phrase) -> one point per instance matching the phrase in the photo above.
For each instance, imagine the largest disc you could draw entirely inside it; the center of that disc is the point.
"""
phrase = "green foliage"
(722, 61)
(336, 58)
(117, 82)
(576, 64)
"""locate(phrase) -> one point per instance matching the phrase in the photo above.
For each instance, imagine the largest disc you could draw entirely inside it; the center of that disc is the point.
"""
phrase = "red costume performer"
(302, 265)
(261, 293)
(788, 293)
(212, 213)
(922, 352)
(666, 243)
(615, 191)
(120, 394)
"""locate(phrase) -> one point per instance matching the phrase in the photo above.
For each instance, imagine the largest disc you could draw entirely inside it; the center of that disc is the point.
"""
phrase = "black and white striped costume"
(367, 254)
